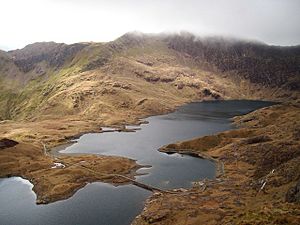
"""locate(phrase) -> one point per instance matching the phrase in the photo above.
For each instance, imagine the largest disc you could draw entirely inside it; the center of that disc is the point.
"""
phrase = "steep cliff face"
(270, 66)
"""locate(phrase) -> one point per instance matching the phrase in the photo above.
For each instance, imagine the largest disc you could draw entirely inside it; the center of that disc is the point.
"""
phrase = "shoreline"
(53, 183)
(220, 165)
(56, 156)
(238, 196)
(42, 155)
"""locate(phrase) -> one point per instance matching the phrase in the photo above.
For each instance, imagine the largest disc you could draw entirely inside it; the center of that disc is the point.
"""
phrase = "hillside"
(53, 92)
(93, 79)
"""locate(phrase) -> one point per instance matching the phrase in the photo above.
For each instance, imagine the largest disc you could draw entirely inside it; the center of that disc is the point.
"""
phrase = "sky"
(22, 22)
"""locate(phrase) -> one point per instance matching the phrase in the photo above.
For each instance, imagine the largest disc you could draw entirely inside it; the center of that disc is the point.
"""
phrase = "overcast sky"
(27, 21)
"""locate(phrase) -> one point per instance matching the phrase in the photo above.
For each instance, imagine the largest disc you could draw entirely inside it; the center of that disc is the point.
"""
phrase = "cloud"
(69, 21)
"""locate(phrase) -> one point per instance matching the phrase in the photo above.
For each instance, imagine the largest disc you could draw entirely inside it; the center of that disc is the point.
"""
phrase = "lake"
(104, 204)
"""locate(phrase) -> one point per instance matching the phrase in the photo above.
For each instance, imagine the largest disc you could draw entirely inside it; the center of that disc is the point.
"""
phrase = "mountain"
(53, 92)
(133, 72)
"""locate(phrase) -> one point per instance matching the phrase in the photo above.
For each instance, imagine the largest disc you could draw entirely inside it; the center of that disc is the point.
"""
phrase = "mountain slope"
(138, 75)
(53, 92)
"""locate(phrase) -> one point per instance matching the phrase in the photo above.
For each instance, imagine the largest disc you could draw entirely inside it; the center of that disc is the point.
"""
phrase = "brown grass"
(249, 155)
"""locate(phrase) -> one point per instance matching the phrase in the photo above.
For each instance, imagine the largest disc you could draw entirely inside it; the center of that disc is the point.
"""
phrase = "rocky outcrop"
(259, 63)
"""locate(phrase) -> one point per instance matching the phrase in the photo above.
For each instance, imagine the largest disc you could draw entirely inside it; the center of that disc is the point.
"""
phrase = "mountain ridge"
(182, 67)
(56, 53)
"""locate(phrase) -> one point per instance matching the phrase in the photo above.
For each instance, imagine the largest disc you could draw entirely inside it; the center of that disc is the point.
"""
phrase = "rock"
(216, 96)
(121, 85)
(42, 201)
(142, 101)
(257, 139)
(116, 84)
(147, 63)
(58, 165)
(180, 86)
(293, 194)
(156, 217)
(152, 79)
(206, 92)
(7, 143)
(167, 79)
(194, 85)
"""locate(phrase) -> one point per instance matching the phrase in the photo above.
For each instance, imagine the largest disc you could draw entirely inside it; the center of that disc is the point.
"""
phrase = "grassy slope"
(127, 75)
(8, 84)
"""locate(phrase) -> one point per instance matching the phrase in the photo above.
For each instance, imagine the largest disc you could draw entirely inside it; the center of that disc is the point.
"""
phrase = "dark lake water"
(104, 204)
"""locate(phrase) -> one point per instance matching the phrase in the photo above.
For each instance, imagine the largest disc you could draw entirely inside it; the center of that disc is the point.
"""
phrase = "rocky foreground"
(260, 183)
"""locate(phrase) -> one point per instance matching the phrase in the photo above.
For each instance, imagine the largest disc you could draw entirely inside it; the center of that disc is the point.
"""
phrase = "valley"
(52, 93)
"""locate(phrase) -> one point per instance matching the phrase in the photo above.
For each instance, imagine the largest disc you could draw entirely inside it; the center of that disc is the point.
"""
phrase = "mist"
(274, 22)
